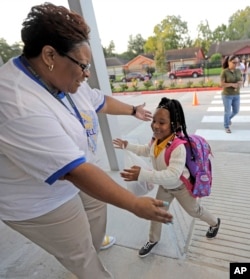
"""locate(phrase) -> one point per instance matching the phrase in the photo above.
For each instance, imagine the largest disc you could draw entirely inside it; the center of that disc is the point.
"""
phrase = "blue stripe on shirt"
(101, 105)
(66, 169)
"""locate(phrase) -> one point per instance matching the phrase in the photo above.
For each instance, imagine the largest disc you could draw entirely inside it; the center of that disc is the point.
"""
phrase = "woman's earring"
(51, 67)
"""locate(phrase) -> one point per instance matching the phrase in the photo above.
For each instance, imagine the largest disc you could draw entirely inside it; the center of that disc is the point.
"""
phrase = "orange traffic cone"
(195, 99)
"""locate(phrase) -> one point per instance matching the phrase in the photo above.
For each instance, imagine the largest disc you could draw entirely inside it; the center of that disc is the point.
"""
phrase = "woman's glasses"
(84, 67)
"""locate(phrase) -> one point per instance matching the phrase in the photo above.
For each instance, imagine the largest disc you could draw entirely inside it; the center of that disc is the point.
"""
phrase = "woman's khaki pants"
(73, 233)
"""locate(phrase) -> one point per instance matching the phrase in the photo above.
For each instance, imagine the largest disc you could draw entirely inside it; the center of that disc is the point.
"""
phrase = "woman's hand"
(119, 143)
(151, 209)
(131, 174)
(143, 114)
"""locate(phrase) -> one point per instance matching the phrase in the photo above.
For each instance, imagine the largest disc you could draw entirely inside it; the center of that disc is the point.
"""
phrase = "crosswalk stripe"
(218, 102)
(219, 119)
(242, 108)
(242, 96)
(242, 92)
(221, 135)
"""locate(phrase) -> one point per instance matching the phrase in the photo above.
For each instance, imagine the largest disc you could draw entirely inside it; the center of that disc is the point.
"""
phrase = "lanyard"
(77, 113)
(39, 80)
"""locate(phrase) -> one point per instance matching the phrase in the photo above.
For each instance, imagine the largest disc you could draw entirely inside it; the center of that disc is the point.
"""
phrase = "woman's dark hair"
(227, 59)
(52, 25)
(177, 117)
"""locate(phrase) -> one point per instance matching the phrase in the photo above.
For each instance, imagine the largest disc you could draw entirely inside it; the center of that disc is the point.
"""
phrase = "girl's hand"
(119, 143)
(131, 174)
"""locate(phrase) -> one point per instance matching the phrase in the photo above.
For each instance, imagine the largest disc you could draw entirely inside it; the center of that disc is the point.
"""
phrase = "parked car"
(135, 76)
(112, 78)
(185, 71)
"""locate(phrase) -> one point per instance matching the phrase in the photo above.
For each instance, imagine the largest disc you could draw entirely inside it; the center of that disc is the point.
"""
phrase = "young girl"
(168, 121)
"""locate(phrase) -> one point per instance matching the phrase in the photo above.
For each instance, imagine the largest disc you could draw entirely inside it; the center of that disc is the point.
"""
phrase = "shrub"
(202, 83)
(209, 83)
(135, 84)
(172, 84)
(160, 84)
(189, 84)
(147, 84)
(123, 87)
(112, 85)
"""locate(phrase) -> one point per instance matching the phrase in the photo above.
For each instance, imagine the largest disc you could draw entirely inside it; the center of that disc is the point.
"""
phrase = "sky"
(118, 19)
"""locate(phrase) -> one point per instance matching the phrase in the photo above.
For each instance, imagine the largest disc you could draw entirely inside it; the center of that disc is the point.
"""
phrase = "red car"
(185, 71)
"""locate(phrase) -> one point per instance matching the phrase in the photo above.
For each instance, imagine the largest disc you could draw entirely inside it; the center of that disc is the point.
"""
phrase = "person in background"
(242, 67)
(168, 121)
(50, 191)
(244, 72)
(240, 64)
(231, 81)
(248, 73)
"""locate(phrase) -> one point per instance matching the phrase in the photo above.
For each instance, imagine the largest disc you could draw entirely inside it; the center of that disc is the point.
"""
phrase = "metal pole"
(99, 79)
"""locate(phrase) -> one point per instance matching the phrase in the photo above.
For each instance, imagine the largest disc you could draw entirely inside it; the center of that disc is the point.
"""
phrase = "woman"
(50, 192)
(231, 81)
(168, 121)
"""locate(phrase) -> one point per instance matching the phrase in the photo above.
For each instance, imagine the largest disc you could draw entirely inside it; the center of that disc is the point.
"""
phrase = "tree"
(9, 51)
(220, 34)
(109, 51)
(126, 55)
(205, 37)
(160, 57)
(136, 45)
(171, 33)
(150, 45)
(239, 25)
(216, 57)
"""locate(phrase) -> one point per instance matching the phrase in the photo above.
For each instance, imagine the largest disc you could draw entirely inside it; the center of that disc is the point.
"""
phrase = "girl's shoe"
(228, 130)
(212, 231)
(145, 250)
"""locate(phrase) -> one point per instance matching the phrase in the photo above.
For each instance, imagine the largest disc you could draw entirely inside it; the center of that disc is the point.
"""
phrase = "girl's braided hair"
(177, 117)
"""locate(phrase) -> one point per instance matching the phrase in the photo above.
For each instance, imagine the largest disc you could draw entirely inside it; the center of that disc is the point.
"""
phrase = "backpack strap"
(176, 142)
(187, 183)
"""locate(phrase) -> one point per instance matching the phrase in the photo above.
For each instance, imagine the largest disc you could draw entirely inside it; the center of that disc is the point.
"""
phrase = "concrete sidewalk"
(183, 251)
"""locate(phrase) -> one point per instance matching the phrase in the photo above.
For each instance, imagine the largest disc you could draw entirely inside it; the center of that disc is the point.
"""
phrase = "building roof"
(140, 57)
(184, 53)
(150, 56)
(114, 61)
(229, 47)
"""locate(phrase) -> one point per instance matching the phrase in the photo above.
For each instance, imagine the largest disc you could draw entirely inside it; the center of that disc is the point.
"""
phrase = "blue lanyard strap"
(78, 115)
(31, 73)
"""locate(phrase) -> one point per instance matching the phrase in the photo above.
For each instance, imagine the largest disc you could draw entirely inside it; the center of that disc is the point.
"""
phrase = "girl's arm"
(138, 149)
(167, 176)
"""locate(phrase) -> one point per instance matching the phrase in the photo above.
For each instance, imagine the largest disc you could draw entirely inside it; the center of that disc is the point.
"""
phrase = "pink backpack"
(198, 163)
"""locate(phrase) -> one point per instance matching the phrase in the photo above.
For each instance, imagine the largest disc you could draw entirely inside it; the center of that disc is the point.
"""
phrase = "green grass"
(212, 72)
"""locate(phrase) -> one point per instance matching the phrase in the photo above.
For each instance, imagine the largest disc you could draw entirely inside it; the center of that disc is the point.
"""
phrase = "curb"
(180, 90)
